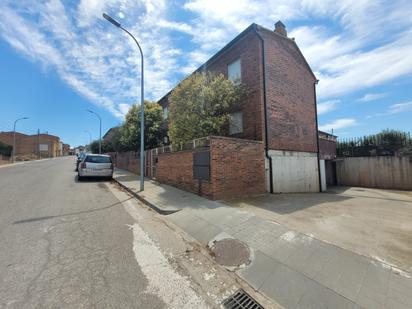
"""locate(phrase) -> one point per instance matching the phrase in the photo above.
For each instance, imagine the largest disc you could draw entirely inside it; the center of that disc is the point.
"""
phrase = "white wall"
(375, 172)
(294, 171)
(322, 175)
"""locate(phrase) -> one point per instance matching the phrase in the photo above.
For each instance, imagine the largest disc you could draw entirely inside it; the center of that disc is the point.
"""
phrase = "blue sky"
(59, 58)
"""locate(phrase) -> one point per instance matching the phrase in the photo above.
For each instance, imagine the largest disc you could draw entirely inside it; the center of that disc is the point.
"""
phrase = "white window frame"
(235, 65)
(236, 128)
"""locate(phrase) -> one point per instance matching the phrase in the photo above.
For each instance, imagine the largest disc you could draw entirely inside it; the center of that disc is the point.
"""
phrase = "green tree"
(200, 106)
(115, 141)
(155, 129)
(392, 137)
(106, 146)
(5, 149)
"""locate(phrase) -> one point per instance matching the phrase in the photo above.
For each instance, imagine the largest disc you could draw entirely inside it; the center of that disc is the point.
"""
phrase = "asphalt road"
(65, 244)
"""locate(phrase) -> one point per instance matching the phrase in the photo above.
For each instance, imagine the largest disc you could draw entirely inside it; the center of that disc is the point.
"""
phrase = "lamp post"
(118, 25)
(90, 138)
(100, 130)
(14, 137)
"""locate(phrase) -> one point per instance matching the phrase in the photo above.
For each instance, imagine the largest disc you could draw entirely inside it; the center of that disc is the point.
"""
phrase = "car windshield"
(98, 159)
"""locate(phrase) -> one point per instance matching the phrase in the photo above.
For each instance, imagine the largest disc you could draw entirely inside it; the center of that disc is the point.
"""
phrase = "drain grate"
(241, 300)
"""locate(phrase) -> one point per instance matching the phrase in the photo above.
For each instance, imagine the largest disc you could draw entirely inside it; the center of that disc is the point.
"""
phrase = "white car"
(95, 165)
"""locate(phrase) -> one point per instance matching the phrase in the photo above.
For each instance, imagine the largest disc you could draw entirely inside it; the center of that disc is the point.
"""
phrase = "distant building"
(327, 145)
(33, 146)
(66, 149)
(110, 134)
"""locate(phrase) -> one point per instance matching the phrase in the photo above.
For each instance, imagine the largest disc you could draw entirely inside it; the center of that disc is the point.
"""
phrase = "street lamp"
(118, 25)
(14, 137)
(100, 129)
(90, 136)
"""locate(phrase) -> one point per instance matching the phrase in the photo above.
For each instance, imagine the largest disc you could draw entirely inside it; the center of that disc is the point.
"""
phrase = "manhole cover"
(230, 252)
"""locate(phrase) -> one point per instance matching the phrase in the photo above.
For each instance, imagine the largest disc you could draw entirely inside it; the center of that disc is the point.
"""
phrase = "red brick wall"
(327, 149)
(4, 160)
(237, 169)
(290, 96)
(176, 169)
(127, 161)
(27, 144)
(248, 51)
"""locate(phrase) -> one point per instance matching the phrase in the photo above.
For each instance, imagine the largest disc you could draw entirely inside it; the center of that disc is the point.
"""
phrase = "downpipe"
(265, 111)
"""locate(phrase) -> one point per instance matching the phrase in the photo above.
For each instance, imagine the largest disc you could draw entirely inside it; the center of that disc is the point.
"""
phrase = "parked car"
(79, 158)
(95, 165)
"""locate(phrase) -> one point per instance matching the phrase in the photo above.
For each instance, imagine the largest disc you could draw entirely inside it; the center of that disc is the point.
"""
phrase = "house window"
(165, 112)
(234, 71)
(236, 123)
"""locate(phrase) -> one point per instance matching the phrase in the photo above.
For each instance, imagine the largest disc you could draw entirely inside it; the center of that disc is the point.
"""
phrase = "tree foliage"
(5, 149)
(106, 147)
(387, 137)
(126, 137)
(154, 127)
(200, 106)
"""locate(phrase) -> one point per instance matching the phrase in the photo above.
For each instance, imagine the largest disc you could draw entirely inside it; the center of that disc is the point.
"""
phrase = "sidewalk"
(162, 198)
(293, 269)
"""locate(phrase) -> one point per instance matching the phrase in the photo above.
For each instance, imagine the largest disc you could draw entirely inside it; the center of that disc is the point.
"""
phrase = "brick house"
(280, 109)
(36, 145)
(327, 146)
(108, 136)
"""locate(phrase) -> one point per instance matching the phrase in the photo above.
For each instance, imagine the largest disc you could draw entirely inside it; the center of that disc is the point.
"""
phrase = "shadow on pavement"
(70, 214)
(287, 203)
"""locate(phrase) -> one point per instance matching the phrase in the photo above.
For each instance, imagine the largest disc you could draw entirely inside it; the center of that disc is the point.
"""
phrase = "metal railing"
(396, 143)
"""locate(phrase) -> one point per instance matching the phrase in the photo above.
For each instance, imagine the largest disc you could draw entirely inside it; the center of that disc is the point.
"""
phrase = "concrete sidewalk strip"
(293, 269)
(162, 198)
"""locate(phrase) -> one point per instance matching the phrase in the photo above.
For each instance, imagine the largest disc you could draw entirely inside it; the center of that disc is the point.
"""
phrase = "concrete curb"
(145, 201)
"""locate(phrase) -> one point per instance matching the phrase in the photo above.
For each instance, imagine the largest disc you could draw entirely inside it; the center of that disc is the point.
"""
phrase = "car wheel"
(79, 178)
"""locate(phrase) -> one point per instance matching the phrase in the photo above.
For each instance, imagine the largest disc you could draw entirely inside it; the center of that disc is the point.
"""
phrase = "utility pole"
(100, 129)
(38, 144)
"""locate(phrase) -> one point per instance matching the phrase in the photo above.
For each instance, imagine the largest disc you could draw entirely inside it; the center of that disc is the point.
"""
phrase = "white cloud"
(124, 108)
(338, 124)
(327, 106)
(97, 60)
(362, 44)
(394, 109)
(400, 107)
(183, 27)
(372, 97)
(360, 70)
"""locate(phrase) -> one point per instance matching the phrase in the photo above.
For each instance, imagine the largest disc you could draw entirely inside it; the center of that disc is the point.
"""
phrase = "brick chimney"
(280, 28)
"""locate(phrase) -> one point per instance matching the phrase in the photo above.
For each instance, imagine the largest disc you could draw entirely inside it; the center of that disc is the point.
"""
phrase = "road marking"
(163, 280)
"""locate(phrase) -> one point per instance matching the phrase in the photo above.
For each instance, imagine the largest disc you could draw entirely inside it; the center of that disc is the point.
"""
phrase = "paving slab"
(352, 278)
(317, 296)
(261, 267)
(207, 233)
(317, 261)
(286, 286)
(293, 269)
(162, 198)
